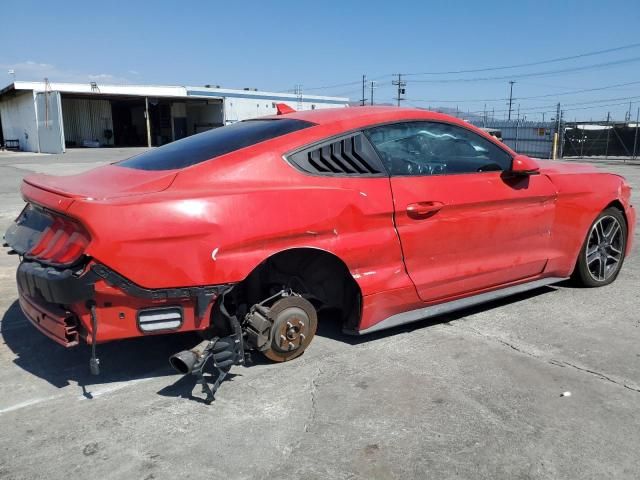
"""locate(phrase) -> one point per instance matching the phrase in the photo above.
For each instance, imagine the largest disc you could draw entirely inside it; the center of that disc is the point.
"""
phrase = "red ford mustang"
(376, 216)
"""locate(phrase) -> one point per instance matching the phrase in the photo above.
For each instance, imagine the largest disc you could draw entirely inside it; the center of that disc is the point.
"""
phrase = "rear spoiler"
(44, 197)
(283, 108)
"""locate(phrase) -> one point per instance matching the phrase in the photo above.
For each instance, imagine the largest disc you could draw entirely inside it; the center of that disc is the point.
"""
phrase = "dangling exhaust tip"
(224, 352)
(186, 361)
(183, 362)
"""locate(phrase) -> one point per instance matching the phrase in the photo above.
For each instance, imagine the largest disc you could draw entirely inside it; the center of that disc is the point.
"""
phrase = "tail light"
(62, 243)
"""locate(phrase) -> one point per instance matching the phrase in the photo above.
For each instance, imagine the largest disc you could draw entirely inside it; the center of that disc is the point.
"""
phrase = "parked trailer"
(529, 138)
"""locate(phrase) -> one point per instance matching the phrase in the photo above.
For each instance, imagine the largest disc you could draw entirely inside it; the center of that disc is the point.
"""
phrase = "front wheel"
(602, 254)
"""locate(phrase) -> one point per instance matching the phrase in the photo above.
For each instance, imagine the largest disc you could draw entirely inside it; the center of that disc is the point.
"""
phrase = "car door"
(464, 224)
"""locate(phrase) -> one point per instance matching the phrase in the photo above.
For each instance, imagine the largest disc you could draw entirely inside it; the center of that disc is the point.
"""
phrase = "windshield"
(213, 143)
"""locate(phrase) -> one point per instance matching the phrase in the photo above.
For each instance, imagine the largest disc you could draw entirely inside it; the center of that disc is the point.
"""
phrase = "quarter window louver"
(351, 155)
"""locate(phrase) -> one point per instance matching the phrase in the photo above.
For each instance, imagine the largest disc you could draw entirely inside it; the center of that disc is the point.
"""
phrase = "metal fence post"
(606, 149)
(635, 137)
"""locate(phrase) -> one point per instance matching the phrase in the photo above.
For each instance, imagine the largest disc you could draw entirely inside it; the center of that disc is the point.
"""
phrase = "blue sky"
(274, 45)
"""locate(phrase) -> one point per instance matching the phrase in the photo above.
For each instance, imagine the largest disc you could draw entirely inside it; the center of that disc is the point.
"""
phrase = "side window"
(430, 148)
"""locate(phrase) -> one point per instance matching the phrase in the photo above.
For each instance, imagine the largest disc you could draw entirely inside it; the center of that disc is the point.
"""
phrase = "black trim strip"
(203, 295)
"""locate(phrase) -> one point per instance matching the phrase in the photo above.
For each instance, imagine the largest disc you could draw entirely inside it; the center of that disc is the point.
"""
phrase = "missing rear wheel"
(283, 330)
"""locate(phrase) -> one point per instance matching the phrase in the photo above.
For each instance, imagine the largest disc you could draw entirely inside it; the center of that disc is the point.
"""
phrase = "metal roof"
(174, 91)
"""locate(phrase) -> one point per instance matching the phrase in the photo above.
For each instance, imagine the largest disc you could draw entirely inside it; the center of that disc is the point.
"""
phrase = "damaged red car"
(248, 233)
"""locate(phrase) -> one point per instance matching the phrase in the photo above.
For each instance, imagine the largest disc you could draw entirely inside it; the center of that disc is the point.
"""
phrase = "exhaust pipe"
(188, 360)
(222, 350)
(224, 353)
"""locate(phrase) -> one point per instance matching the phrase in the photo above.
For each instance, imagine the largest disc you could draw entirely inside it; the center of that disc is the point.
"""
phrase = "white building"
(48, 117)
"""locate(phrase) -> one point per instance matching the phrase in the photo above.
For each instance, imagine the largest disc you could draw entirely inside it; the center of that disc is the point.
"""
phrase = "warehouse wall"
(237, 108)
(19, 120)
(86, 119)
(203, 116)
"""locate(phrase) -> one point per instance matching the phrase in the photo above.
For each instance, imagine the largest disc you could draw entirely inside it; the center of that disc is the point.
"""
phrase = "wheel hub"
(294, 325)
(290, 329)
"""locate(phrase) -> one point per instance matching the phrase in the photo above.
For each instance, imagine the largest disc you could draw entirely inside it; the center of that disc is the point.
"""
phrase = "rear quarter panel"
(215, 225)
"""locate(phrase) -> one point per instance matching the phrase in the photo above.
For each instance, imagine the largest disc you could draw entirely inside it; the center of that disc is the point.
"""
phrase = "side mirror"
(524, 166)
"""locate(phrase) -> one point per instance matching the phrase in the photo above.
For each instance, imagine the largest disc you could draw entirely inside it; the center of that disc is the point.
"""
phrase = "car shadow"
(126, 360)
(332, 329)
(147, 357)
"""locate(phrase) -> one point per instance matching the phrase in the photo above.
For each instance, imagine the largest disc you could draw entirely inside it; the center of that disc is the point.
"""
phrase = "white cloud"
(36, 71)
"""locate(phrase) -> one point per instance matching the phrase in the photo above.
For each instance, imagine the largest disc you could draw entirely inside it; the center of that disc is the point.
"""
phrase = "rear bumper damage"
(56, 323)
(58, 303)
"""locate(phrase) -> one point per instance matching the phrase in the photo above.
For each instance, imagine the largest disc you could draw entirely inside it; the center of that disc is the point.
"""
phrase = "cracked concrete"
(313, 392)
(597, 374)
(552, 361)
(476, 394)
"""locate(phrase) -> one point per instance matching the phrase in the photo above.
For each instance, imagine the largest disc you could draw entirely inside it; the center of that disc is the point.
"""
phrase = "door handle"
(422, 210)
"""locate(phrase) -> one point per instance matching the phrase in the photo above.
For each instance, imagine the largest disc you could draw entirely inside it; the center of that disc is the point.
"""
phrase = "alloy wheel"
(604, 248)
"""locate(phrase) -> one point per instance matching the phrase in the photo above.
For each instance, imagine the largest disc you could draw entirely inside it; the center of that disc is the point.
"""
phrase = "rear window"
(213, 143)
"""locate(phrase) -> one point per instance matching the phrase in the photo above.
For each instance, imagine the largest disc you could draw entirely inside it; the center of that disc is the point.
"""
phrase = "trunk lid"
(109, 181)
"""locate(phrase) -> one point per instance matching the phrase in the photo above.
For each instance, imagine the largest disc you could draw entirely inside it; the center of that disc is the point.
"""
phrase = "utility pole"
(299, 95)
(511, 82)
(556, 135)
(373, 86)
(561, 134)
(401, 90)
(542, 117)
(363, 100)
(148, 121)
(606, 150)
(635, 138)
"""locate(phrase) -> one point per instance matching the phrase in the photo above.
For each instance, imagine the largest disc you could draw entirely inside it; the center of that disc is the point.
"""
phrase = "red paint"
(486, 230)
(454, 235)
(283, 108)
(51, 321)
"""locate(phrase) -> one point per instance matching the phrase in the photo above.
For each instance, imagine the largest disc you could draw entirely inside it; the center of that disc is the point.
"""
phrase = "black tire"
(593, 273)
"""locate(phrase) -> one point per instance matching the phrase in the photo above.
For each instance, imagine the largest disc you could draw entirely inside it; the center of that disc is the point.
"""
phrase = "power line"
(530, 64)
(534, 74)
(347, 84)
(504, 67)
(592, 103)
(337, 85)
(547, 95)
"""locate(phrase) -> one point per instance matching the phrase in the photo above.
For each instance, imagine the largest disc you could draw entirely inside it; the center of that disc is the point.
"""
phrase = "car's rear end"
(118, 252)
(52, 275)
(61, 285)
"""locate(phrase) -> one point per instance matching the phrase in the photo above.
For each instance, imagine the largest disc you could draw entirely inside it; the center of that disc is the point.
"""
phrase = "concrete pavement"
(475, 394)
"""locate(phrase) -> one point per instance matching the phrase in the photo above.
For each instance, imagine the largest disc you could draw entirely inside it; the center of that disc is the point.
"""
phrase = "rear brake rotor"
(294, 325)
